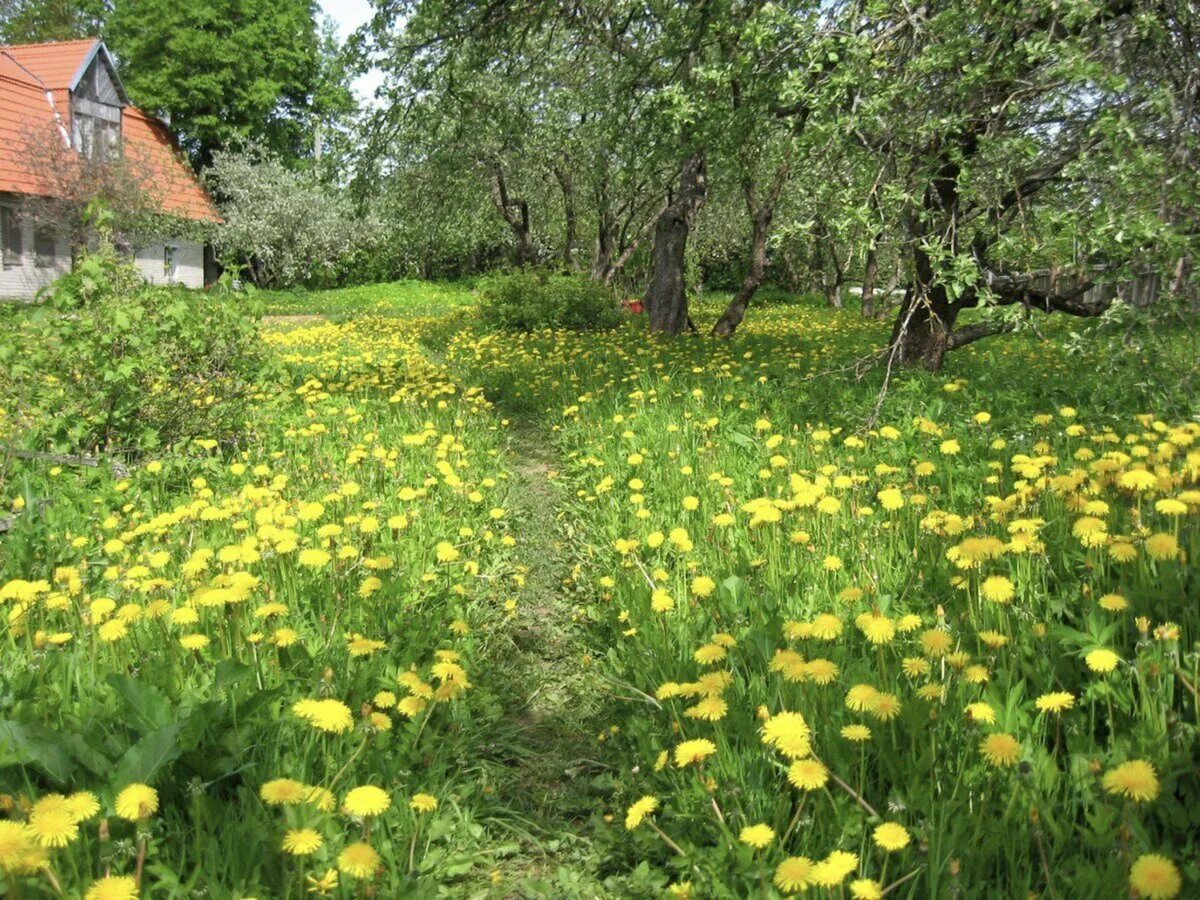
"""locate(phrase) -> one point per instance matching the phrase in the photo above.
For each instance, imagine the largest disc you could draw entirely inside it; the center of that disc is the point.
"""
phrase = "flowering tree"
(284, 225)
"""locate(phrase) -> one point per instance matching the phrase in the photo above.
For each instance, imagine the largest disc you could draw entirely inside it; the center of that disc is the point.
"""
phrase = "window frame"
(12, 254)
(170, 261)
(42, 236)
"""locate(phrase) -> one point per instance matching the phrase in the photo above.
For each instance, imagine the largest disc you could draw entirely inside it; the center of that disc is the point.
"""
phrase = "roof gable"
(97, 78)
(36, 81)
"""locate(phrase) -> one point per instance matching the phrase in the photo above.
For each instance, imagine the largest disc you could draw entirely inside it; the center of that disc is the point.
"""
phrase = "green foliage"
(531, 300)
(223, 71)
(122, 366)
(35, 21)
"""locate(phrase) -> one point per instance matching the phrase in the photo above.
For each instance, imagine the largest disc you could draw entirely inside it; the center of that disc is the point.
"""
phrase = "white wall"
(189, 264)
(24, 281)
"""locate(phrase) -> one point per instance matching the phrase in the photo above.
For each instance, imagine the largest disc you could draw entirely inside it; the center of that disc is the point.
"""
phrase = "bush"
(533, 299)
(110, 364)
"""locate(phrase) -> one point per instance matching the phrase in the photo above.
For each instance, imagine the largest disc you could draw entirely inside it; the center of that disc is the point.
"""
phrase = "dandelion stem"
(899, 881)
(853, 793)
(795, 820)
(666, 840)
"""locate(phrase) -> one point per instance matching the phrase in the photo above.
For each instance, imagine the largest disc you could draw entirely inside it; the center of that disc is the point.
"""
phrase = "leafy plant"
(533, 299)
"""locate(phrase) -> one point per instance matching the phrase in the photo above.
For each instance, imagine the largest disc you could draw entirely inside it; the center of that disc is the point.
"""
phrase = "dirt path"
(553, 700)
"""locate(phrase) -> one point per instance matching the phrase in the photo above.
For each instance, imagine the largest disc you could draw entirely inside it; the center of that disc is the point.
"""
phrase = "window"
(169, 265)
(44, 247)
(10, 236)
(97, 138)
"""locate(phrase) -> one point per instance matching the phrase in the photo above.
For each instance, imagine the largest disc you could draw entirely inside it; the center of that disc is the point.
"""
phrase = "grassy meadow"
(476, 614)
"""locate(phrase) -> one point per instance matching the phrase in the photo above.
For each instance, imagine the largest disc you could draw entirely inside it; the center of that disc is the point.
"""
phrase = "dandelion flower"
(694, 751)
(885, 707)
(1000, 749)
(423, 803)
(53, 827)
(367, 800)
(358, 860)
(833, 869)
(856, 733)
(757, 836)
(876, 629)
(861, 697)
(16, 840)
(313, 558)
(1135, 779)
(302, 841)
(1162, 546)
(997, 589)
(891, 836)
(282, 791)
(788, 733)
(794, 874)
(1155, 877)
(638, 811)
(866, 889)
(1101, 660)
(710, 709)
(1055, 702)
(325, 715)
(1113, 603)
(82, 805)
(137, 801)
(113, 887)
(808, 774)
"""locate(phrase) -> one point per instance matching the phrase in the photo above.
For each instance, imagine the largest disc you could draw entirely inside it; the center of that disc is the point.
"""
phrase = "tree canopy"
(1000, 155)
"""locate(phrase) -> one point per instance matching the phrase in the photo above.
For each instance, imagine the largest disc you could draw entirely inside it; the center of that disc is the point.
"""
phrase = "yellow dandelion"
(137, 801)
(367, 800)
(1135, 779)
(358, 860)
(891, 836)
(757, 836)
(302, 841)
(1000, 750)
(1155, 877)
(638, 811)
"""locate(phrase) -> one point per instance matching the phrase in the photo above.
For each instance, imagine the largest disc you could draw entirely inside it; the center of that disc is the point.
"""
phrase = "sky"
(349, 15)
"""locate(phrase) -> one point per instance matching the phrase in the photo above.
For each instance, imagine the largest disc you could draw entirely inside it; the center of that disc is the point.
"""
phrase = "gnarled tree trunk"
(761, 215)
(515, 212)
(870, 275)
(567, 184)
(666, 295)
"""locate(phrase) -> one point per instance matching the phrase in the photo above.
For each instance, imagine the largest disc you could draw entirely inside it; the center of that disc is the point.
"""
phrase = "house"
(63, 113)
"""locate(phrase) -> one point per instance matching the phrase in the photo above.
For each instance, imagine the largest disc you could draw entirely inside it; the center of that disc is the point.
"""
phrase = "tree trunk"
(605, 226)
(736, 310)
(1183, 270)
(567, 183)
(666, 296)
(515, 212)
(921, 335)
(870, 274)
(837, 276)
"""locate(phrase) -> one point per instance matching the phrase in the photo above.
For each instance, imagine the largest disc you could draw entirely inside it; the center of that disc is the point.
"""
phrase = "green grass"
(398, 298)
(527, 498)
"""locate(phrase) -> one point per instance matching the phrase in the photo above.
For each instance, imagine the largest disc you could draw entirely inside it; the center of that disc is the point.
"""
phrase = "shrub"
(533, 299)
(109, 363)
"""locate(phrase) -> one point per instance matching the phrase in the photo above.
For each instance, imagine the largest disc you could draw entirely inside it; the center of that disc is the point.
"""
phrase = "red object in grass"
(634, 306)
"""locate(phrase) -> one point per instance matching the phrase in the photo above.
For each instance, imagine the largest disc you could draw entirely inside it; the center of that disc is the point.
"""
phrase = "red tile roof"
(55, 64)
(35, 111)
